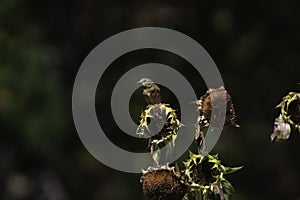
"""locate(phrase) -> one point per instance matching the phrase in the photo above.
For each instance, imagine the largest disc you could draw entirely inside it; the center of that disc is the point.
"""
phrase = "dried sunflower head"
(216, 96)
(163, 183)
(160, 122)
(206, 174)
(288, 118)
(290, 109)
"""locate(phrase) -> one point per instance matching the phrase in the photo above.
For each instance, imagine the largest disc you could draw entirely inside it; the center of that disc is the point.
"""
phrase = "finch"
(151, 91)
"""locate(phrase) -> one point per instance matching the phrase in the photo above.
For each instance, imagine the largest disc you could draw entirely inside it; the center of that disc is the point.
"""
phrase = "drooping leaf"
(230, 170)
(227, 189)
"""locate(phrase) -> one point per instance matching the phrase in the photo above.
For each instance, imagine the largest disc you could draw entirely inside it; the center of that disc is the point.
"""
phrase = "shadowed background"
(43, 43)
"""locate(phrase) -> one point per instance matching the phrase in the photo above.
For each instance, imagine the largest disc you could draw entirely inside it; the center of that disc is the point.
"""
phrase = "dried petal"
(282, 130)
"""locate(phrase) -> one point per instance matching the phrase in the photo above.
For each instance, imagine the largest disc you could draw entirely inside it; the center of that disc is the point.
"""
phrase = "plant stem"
(205, 196)
(198, 195)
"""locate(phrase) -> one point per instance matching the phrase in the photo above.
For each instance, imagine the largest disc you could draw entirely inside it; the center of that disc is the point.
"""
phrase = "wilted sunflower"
(215, 97)
(290, 109)
(163, 183)
(289, 117)
(206, 176)
(159, 122)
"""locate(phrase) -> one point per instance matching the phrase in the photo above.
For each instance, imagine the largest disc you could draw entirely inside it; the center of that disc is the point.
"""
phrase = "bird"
(151, 91)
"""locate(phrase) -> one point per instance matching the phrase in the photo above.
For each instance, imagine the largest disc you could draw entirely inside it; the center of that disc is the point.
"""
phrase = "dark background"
(255, 45)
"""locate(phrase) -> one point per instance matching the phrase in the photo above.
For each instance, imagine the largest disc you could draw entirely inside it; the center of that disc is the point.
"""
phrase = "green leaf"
(230, 170)
(227, 189)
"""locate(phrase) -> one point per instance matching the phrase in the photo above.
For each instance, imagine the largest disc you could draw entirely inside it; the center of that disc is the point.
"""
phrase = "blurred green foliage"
(255, 44)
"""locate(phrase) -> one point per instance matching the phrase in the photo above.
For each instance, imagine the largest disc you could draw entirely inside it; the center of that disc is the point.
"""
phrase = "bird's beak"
(139, 82)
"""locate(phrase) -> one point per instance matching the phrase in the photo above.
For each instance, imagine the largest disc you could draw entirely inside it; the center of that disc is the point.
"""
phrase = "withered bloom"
(163, 184)
(202, 171)
(160, 122)
(206, 175)
(282, 130)
(289, 117)
(215, 97)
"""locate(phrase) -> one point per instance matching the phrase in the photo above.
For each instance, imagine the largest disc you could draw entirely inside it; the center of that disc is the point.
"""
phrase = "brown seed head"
(163, 184)
(216, 96)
